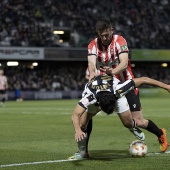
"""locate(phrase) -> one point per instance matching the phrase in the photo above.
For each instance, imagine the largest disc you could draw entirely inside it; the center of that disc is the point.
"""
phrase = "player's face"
(106, 36)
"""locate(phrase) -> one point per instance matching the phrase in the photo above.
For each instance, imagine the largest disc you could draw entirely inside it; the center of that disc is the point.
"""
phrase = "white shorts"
(121, 105)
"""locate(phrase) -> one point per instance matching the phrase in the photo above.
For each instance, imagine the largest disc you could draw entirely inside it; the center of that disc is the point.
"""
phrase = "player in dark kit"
(107, 93)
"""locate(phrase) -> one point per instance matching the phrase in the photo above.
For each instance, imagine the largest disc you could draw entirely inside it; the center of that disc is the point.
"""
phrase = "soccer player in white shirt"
(3, 86)
(108, 94)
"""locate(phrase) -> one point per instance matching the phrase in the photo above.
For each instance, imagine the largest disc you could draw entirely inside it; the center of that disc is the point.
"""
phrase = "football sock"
(82, 146)
(3, 100)
(154, 129)
(134, 123)
(88, 131)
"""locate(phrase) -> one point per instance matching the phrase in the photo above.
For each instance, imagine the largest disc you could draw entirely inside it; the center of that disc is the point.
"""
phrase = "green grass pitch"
(40, 131)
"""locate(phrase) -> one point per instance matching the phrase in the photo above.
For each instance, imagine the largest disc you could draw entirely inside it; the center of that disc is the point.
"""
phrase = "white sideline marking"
(65, 160)
(34, 163)
(157, 153)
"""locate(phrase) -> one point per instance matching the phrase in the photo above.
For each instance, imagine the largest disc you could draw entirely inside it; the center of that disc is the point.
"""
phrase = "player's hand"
(92, 76)
(107, 70)
(79, 136)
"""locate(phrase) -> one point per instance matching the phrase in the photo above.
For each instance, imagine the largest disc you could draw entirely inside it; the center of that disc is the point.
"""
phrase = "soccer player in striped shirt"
(3, 86)
(111, 51)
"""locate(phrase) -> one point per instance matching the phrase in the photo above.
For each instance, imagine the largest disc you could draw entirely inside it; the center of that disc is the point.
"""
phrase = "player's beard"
(106, 43)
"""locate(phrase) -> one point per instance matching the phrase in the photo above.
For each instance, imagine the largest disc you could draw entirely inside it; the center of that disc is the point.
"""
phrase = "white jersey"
(3, 81)
(110, 84)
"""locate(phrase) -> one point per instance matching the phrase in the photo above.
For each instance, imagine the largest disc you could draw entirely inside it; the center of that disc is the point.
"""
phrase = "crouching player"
(106, 93)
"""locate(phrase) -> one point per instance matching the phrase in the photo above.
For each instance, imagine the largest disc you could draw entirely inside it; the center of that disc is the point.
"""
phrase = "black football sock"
(154, 129)
(88, 130)
(3, 100)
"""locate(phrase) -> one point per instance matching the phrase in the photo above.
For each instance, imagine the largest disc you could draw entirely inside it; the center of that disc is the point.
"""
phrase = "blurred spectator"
(18, 96)
(62, 76)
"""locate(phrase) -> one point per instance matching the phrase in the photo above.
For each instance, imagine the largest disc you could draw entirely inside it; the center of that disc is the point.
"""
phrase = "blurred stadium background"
(43, 44)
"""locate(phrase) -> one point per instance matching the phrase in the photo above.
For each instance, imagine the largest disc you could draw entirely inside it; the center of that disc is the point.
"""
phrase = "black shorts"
(2, 91)
(133, 100)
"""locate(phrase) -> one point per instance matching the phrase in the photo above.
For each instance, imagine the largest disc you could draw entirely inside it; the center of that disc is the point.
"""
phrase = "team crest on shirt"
(124, 47)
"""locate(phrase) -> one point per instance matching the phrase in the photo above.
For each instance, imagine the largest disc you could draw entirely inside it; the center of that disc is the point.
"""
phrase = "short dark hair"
(107, 101)
(103, 24)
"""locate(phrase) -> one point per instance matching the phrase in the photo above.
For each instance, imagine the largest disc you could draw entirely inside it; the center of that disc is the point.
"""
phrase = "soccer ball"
(138, 148)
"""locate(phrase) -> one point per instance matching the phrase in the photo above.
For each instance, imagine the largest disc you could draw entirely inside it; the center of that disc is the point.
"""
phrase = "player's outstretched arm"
(123, 88)
(79, 134)
(152, 82)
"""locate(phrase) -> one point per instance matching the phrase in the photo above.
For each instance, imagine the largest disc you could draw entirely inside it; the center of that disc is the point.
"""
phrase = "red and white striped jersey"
(3, 81)
(109, 55)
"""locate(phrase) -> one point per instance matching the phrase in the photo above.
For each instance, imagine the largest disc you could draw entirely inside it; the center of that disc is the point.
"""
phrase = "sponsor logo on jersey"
(124, 47)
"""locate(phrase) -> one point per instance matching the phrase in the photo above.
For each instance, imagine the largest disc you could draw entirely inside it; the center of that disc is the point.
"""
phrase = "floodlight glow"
(34, 64)
(58, 32)
(12, 63)
(60, 41)
(164, 64)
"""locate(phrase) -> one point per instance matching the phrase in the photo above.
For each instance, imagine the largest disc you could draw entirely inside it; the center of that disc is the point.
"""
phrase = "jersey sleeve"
(92, 48)
(121, 45)
(87, 99)
(123, 88)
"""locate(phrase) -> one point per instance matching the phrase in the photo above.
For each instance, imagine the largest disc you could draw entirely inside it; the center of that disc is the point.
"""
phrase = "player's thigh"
(122, 108)
(126, 118)
(135, 106)
(134, 101)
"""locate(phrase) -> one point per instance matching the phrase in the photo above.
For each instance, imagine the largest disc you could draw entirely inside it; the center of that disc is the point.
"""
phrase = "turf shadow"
(108, 154)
